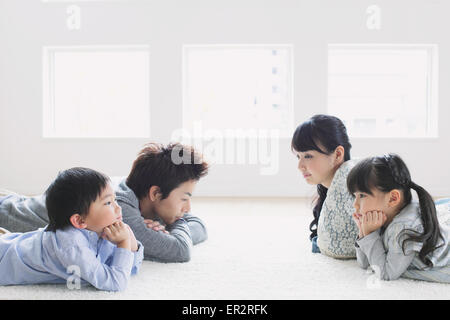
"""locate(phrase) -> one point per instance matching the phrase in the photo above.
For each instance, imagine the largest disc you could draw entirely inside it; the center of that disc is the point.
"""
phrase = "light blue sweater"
(52, 257)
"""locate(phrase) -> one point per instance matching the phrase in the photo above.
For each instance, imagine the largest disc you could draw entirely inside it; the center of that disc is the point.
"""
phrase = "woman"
(322, 146)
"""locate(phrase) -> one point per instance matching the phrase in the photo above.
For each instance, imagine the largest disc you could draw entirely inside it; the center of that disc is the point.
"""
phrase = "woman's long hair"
(389, 172)
(329, 132)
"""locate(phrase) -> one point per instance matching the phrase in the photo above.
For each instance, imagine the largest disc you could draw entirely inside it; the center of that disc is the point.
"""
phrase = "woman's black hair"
(386, 173)
(329, 132)
(72, 192)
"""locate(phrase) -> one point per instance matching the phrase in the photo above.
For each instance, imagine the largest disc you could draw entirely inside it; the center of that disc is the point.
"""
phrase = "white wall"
(29, 162)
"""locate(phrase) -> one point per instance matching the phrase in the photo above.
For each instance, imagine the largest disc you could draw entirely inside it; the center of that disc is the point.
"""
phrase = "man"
(157, 191)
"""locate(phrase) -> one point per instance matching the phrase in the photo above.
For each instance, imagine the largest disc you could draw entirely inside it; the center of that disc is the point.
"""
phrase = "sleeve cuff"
(123, 258)
(367, 241)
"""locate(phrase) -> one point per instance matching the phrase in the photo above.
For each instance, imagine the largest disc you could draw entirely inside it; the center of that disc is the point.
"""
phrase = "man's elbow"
(184, 254)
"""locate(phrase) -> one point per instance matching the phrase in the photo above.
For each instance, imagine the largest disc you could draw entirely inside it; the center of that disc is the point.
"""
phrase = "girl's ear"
(339, 151)
(154, 193)
(78, 221)
(395, 198)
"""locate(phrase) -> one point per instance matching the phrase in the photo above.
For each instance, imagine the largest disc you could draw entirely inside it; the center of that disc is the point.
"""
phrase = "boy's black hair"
(72, 192)
(389, 172)
(166, 167)
(330, 132)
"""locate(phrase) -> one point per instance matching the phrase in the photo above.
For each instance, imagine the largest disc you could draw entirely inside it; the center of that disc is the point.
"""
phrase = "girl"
(322, 147)
(398, 236)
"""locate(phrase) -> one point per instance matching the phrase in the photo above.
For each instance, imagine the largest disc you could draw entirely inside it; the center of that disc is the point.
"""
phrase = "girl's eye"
(308, 156)
(362, 195)
(108, 203)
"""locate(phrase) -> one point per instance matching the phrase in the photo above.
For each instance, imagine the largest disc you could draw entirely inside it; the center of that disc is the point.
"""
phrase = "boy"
(85, 235)
(155, 195)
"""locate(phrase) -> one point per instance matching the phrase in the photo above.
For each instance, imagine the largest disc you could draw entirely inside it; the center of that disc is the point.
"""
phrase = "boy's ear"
(395, 197)
(154, 193)
(77, 221)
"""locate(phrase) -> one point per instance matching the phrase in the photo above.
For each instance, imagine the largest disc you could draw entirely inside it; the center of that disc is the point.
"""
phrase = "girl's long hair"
(389, 172)
(329, 132)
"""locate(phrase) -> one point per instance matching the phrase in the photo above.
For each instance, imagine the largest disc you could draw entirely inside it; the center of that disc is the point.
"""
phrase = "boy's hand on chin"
(133, 241)
(119, 234)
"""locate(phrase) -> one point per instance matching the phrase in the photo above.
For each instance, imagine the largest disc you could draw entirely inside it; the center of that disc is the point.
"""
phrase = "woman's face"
(316, 167)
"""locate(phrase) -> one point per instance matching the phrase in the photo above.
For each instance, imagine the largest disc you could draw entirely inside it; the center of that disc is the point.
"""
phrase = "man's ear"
(154, 193)
(395, 198)
(78, 221)
(339, 151)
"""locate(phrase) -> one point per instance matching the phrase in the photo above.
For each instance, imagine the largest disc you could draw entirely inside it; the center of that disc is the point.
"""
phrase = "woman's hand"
(155, 225)
(371, 221)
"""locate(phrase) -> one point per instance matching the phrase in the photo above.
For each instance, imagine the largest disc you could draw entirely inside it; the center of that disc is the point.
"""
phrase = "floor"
(258, 248)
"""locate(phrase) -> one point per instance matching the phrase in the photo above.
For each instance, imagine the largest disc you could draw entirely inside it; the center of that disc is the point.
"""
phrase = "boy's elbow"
(118, 283)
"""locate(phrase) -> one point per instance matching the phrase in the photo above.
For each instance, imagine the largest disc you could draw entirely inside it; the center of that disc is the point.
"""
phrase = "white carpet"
(257, 249)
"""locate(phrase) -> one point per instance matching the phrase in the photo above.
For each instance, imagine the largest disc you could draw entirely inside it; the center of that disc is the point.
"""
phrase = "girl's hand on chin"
(371, 221)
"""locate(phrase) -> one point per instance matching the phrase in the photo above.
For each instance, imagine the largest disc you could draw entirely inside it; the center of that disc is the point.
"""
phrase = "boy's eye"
(308, 156)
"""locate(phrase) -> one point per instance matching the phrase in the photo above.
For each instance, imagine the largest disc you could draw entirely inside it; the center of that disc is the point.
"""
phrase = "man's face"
(177, 203)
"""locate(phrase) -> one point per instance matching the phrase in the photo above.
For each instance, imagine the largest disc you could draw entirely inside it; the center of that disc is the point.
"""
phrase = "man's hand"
(118, 234)
(155, 225)
(371, 221)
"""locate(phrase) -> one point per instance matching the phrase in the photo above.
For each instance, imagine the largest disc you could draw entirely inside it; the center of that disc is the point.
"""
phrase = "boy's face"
(177, 203)
(104, 211)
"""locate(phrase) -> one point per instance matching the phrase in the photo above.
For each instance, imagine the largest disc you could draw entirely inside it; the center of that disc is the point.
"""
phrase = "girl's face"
(377, 201)
(316, 167)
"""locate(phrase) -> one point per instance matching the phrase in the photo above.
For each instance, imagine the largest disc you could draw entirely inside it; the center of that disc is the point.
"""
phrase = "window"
(384, 90)
(100, 92)
(238, 87)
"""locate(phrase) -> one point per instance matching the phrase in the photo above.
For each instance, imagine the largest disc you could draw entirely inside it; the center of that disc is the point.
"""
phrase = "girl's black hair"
(330, 132)
(72, 192)
(389, 172)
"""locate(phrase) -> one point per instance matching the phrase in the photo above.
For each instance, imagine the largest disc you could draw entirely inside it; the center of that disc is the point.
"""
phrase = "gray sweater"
(159, 246)
(382, 249)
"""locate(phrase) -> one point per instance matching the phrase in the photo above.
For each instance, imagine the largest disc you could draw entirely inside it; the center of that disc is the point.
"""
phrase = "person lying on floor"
(85, 238)
(155, 200)
(398, 236)
(157, 191)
